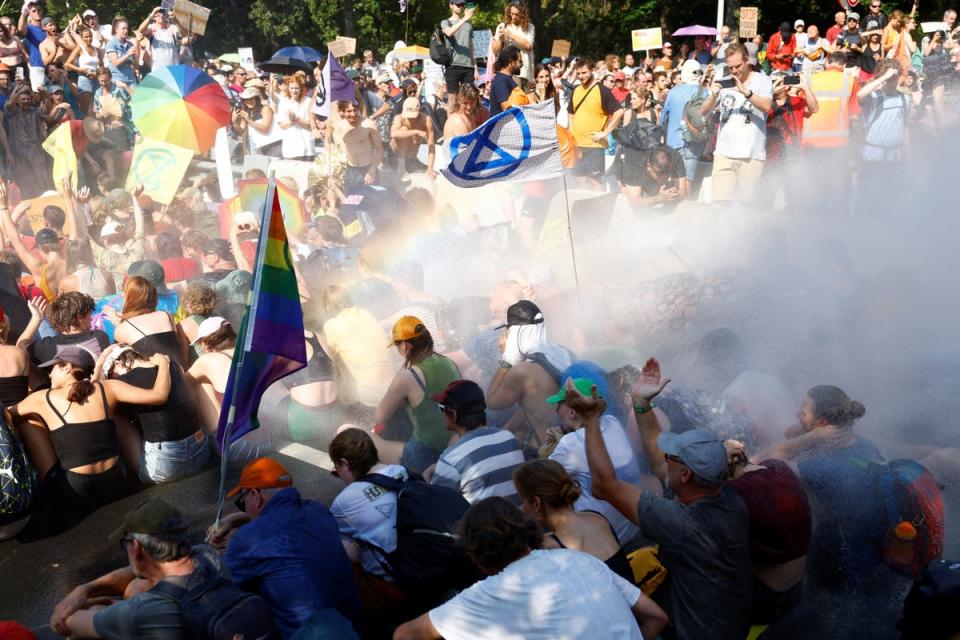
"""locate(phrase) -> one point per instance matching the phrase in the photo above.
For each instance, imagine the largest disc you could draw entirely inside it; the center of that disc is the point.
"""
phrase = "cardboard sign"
(561, 49)
(933, 27)
(192, 16)
(748, 21)
(646, 39)
(337, 48)
(481, 43)
(349, 45)
(246, 58)
(37, 205)
(432, 71)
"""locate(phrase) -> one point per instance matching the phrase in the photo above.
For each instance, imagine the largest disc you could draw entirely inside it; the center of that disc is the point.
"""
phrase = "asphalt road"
(35, 576)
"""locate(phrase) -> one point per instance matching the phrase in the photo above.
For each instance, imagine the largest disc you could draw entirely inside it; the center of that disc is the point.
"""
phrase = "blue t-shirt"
(34, 36)
(123, 73)
(500, 90)
(292, 556)
(671, 118)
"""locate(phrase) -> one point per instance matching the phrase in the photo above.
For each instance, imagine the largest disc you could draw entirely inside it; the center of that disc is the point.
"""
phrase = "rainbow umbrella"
(182, 106)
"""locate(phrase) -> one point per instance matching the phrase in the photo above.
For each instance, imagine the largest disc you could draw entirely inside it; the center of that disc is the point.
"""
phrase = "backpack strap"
(585, 96)
(383, 481)
(169, 590)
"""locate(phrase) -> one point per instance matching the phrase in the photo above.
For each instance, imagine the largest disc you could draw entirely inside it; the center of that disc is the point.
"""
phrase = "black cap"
(465, 396)
(521, 313)
(149, 270)
(75, 354)
(46, 236)
(154, 517)
(786, 27)
(220, 248)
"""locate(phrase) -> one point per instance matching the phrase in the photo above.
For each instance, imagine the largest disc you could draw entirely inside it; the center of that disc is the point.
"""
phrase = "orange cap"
(407, 328)
(262, 473)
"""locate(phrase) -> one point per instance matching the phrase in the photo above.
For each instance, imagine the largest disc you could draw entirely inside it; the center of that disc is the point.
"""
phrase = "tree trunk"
(349, 20)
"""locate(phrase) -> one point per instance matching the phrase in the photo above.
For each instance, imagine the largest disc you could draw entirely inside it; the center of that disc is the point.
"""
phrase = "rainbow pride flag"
(252, 196)
(270, 343)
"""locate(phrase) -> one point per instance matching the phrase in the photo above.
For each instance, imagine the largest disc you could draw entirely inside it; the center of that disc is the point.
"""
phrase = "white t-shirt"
(526, 55)
(743, 127)
(571, 453)
(364, 511)
(165, 44)
(810, 48)
(557, 595)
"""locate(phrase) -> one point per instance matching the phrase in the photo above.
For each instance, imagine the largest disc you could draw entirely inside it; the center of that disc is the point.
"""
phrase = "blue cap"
(700, 450)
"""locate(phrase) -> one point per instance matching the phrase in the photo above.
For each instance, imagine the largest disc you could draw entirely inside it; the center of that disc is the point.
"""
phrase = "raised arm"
(644, 391)
(37, 307)
(32, 262)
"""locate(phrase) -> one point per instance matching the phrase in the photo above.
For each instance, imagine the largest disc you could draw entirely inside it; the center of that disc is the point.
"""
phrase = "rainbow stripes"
(252, 196)
(270, 343)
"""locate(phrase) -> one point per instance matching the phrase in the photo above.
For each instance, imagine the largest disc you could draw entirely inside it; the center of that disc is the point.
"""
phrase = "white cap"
(110, 228)
(247, 218)
(111, 359)
(226, 68)
(208, 327)
(799, 23)
(89, 12)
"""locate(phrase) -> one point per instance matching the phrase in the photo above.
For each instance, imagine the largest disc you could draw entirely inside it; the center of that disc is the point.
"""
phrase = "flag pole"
(573, 251)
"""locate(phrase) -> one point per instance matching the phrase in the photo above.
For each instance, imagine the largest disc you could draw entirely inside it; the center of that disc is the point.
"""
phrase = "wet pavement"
(35, 576)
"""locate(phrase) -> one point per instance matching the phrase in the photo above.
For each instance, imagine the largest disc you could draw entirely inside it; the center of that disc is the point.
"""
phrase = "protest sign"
(646, 39)
(159, 167)
(561, 49)
(246, 58)
(37, 205)
(192, 16)
(481, 43)
(432, 71)
(748, 21)
(337, 48)
(349, 45)
(933, 27)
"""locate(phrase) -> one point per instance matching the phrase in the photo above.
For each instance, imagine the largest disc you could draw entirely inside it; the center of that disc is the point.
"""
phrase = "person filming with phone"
(742, 100)
(659, 180)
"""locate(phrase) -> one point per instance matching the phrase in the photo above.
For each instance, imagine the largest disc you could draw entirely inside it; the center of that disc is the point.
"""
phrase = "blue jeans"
(169, 461)
(418, 456)
(691, 161)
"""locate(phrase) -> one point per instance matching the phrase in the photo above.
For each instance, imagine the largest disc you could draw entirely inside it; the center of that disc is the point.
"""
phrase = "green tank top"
(429, 426)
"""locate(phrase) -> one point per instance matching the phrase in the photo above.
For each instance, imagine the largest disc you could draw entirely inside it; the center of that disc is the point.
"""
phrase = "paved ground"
(36, 575)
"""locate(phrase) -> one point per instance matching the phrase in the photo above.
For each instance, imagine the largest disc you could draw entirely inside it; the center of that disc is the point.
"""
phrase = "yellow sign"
(647, 39)
(748, 21)
(59, 144)
(561, 49)
(192, 16)
(37, 205)
(159, 167)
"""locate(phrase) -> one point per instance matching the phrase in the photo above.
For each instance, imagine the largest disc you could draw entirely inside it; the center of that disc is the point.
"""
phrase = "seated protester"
(366, 516)
(121, 244)
(479, 465)
(232, 295)
(780, 525)
(285, 548)
(585, 599)
(199, 302)
(82, 273)
(152, 272)
(217, 261)
(176, 267)
(211, 370)
(424, 374)
(174, 444)
(547, 493)
(571, 453)
(154, 538)
(141, 326)
(703, 533)
(69, 314)
(78, 460)
(657, 179)
(529, 373)
(14, 360)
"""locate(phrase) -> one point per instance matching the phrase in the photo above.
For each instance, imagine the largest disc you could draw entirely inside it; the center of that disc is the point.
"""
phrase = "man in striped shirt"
(481, 463)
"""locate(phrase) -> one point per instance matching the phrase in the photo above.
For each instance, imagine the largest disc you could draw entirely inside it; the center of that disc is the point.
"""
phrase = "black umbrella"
(284, 64)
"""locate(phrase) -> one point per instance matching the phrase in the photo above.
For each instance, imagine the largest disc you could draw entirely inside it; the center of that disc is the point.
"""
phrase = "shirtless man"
(360, 142)
(53, 50)
(408, 131)
(468, 116)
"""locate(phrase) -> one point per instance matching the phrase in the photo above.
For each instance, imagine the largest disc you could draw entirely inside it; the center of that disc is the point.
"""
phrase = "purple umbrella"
(695, 30)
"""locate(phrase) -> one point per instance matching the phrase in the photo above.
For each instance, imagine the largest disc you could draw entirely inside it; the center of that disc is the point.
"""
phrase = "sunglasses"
(124, 541)
(239, 502)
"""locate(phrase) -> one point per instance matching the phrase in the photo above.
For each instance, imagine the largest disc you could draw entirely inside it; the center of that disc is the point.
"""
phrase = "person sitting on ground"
(69, 314)
(571, 453)
(529, 373)
(703, 533)
(154, 537)
(548, 494)
(141, 326)
(199, 301)
(14, 360)
(172, 441)
(584, 594)
(78, 458)
(285, 548)
(479, 464)
(424, 374)
(150, 270)
(217, 261)
(120, 245)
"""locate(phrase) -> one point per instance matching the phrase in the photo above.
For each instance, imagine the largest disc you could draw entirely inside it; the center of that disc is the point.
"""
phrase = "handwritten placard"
(646, 39)
(192, 15)
(748, 21)
(560, 49)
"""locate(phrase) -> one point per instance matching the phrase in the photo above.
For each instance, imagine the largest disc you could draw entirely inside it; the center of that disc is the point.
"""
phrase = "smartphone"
(791, 80)
(726, 83)
(471, 5)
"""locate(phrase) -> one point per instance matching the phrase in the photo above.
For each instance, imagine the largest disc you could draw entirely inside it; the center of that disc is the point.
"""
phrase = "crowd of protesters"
(596, 502)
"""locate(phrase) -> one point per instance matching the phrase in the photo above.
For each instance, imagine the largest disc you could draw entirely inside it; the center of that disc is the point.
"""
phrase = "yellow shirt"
(591, 115)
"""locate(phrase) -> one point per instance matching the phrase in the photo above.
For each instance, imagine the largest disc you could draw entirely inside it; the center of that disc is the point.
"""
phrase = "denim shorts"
(418, 456)
(169, 461)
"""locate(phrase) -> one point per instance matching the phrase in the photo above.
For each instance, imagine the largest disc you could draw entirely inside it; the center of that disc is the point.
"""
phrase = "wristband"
(640, 409)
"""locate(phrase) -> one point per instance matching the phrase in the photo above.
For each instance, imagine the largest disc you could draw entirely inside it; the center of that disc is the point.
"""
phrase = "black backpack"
(428, 556)
(640, 135)
(217, 609)
(930, 609)
(440, 50)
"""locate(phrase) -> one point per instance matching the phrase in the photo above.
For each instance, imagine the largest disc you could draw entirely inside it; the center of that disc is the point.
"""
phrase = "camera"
(791, 80)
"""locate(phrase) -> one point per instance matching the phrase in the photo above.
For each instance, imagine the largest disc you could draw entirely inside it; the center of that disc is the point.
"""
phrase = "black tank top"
(165, 342)
(319, 367)
(618, 562)
(13, 389)
(81, 443)
(175, 419)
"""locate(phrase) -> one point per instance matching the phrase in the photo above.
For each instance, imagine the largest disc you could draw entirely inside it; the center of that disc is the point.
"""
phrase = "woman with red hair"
(293, 118)
(152, 331)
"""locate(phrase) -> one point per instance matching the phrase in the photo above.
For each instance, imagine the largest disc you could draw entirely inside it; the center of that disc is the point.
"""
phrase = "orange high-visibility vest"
(830, 125)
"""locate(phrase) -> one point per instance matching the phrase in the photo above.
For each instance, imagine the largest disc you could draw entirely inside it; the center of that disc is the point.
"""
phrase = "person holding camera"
(463, 65)
(164, 34)
(742, 101)
(517, 30)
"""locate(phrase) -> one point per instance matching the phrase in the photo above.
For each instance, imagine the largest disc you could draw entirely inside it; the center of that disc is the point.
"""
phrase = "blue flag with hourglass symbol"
(517, 144)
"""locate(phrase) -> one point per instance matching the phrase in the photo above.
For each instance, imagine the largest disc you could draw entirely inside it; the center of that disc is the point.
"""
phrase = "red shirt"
(80, 141)
(776, 47)
(785, 127)
(180, 269)
(833, 32)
